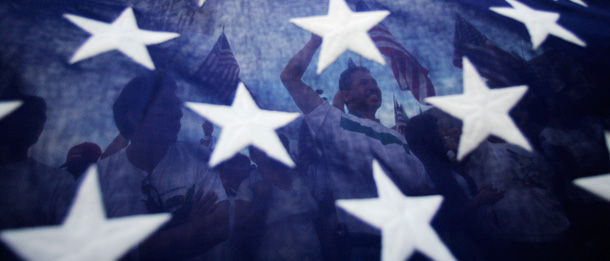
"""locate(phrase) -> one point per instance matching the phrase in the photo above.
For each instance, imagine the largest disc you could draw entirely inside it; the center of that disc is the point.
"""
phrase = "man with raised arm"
(350, 141)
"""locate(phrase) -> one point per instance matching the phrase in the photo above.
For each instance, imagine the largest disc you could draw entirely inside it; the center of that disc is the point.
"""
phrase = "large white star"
(404, 221)
(598, 185)
(123, 35)
(6, 107)
(343, 30)
(539, 23)
(483, 111)
(86, 234)
(243, 124)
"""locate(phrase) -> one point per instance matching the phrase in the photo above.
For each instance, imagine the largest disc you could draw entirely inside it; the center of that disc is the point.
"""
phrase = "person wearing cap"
(156, 173)
(80, 157)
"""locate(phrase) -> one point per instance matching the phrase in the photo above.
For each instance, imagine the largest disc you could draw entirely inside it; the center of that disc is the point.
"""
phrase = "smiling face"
(363, 94)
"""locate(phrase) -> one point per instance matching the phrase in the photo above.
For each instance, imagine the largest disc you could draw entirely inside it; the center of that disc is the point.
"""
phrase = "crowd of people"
(500, 203)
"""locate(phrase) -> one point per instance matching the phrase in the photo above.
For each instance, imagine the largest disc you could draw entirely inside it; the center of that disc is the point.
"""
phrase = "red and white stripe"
(409, 74)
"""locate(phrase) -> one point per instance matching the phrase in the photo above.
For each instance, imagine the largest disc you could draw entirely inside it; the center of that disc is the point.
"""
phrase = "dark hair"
(345, 80)
(137, 96)
(424, 138)
(425, 141)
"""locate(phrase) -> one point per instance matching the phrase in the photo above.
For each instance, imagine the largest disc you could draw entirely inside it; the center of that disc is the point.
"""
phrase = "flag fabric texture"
(564, 112)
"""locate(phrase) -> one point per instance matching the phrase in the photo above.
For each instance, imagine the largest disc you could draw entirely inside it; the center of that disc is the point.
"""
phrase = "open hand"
(203, 205)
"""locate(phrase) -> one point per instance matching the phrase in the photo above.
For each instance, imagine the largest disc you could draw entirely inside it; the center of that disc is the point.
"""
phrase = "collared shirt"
(349, 145)
(361, 117)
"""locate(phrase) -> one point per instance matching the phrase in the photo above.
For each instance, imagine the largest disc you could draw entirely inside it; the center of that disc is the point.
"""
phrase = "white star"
(123, 35)
(483, 111)
(7, 107)
(404, 221)
(341, 30)
(86, 234)
(598, 185)
(580, 2)
(201, 2)
(539, 23)
(243, 124)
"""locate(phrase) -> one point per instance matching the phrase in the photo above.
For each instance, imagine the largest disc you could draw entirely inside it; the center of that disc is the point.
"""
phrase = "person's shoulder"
(377, 126)
(118, 158)
(189, 149)
(324, 108)
(192, 156)
(45, 175)
(42, 169)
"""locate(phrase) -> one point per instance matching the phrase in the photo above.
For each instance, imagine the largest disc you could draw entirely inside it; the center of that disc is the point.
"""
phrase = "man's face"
(364, 92)
(162, 121)
(451, 138)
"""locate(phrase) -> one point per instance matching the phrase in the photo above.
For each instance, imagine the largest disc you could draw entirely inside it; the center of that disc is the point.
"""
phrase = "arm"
(303, 95)
(250, 216)
(338, 101)
(191, 239)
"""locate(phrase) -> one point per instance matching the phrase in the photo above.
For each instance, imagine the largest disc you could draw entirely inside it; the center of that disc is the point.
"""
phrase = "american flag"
(500, 67)
(219, 72)
(409, 74)
(465, 33)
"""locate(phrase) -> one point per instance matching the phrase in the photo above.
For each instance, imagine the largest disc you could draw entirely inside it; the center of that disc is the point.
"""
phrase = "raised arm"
(302, 94)
(338, 101)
